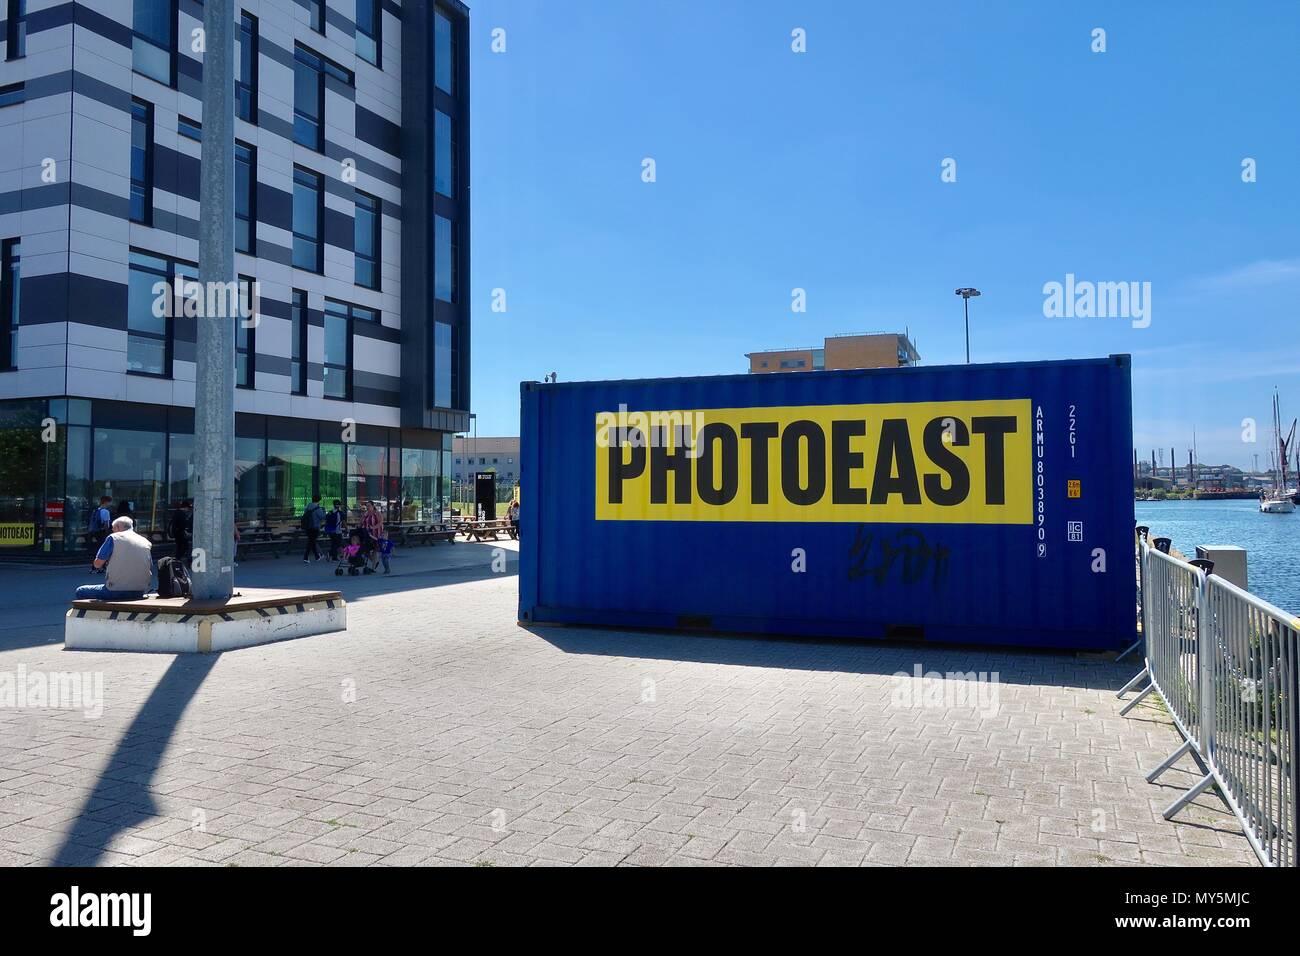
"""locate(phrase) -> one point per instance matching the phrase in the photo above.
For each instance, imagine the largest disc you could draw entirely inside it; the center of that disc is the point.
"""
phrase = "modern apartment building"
(352, 207)
(870, 350)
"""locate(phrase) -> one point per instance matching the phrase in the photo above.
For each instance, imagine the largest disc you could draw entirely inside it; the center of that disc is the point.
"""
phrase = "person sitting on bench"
(128, 560)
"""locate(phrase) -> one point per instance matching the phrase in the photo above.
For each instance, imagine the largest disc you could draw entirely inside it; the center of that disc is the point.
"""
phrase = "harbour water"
(1272, 542)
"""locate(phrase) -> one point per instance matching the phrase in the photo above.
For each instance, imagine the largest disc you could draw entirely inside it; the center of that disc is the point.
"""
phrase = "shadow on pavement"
(867, 656)
(121, 798)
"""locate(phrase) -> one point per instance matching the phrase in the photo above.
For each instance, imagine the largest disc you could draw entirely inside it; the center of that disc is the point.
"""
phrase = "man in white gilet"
(128, 558)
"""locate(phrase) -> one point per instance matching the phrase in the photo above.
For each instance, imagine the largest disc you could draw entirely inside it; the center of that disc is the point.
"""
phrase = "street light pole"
(214, 358)
(966, 295)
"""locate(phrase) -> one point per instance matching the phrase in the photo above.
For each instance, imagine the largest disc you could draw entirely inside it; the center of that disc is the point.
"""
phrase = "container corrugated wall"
(984, 504)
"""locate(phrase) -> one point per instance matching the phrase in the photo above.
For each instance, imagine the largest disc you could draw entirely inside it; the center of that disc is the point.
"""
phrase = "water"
(1272, 542)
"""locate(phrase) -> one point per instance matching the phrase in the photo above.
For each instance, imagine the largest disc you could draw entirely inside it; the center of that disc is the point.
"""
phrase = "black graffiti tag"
(916, 553)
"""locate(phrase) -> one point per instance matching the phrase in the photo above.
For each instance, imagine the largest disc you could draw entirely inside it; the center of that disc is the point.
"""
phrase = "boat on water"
(1279, 500)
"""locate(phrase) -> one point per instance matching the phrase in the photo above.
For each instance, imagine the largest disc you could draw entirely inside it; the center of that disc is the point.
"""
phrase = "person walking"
(513, 514)
(182, 531)
(336, 526)
(100, 521)
(127, 561)
(312, 519)
(373, 522)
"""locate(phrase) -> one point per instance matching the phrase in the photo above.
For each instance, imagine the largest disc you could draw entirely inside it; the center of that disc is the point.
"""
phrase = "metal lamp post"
(214, 386)
(966, 295)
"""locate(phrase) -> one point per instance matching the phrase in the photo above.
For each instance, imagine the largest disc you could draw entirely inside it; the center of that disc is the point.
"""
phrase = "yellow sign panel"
(915, 462)
(17, 535)
(1074, 488)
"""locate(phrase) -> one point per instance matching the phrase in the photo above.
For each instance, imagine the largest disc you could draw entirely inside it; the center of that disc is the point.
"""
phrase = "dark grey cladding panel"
(44, 299)
(375, 396)
(36, 197)
(273, 51)
(177, 225)
(316, 318)
(273, 307)
(373, 129)
(274, 364)
(339, 88)
(340, 230)
(117, 206)
(92, 301)
(274, 253)
(274, 206)
(176, 172)
(377, 330)
(368, 166)
(102, 92)
(274, 125)
(194, 8)
(339, 21)
(185, 329)
(392, 7)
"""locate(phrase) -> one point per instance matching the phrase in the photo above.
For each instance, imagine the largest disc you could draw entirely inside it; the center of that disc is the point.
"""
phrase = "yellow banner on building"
(914, 462)
(17, 535)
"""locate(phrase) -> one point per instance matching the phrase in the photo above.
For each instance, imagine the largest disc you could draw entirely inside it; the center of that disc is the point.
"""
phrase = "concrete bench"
(177, 625)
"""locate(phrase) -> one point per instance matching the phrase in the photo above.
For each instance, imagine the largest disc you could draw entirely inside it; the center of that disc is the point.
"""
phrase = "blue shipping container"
(978, 504)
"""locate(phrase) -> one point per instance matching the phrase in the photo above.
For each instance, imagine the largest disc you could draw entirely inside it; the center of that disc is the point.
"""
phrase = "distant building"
(470, 455)
(869, 350)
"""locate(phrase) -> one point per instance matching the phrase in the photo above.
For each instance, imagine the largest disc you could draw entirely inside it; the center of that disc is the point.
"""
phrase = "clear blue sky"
(821, 170)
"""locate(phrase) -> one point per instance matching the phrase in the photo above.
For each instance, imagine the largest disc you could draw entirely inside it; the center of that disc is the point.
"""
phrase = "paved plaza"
(437, 731)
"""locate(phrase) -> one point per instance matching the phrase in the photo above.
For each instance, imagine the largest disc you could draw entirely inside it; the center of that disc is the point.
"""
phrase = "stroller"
(359, 556)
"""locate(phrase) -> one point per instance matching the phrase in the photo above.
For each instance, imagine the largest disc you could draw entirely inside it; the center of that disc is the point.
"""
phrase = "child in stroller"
(359, 556)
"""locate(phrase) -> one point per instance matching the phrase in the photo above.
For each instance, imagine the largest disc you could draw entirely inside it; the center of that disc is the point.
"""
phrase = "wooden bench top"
(244, 599)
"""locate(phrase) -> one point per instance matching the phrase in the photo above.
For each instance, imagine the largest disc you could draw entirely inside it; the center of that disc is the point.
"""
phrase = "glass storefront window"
(21, 479)
(129, 466)
(250, 465)
(330, 481)
(419, 498)
(77, 488)
(366, 476)
(289, 469)
(180, 469)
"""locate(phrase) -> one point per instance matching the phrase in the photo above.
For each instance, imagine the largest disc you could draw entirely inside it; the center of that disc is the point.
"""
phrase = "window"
(16, 30)
(308, 100)
(10, 255)
(309, 71)
(316, 15)
(245, 335)
(444, 157)
(12, 94)
(442, 364)
(444, 54)
(141, 162)
(148, 341)
(154, 40)
(792, 363)
(366, 240)
(308, 211)
(190, 129)
(444, 259)
(246, 78)
(368, 37)
(298, 333)
(245, 197)
(338, 350)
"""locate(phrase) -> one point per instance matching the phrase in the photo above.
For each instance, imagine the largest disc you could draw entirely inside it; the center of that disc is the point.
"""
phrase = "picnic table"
(487, 530)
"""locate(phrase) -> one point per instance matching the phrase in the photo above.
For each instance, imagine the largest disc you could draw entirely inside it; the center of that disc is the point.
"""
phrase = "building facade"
(352, 229)
(871, 350)
(471, 455)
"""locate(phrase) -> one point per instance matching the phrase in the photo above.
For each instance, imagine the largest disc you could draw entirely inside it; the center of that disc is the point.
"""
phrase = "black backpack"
(173, 579)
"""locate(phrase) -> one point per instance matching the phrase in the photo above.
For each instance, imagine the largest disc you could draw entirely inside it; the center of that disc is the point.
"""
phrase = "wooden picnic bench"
(488, 530)
(425, 535)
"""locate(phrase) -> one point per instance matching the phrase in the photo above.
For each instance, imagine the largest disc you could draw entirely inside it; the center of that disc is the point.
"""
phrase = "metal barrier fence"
(1227, 667)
